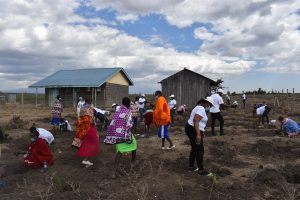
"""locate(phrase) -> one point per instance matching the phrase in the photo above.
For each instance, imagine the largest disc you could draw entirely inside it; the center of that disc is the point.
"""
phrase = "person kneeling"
(37, 153)
(289, 127)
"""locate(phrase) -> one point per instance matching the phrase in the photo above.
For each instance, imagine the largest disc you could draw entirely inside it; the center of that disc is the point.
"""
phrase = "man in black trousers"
(215, 111)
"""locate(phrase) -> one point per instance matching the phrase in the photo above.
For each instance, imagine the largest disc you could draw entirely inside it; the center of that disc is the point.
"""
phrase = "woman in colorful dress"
(119, 133)
(56, 112)
(83, 123)
(37, 153)
(86, 138)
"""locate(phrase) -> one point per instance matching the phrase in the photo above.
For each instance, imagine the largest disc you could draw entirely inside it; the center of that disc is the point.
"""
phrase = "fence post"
(36, 99)
(22, 102)
(294, 100)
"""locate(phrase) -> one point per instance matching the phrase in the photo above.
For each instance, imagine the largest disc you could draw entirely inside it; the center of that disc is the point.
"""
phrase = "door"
(53, 92)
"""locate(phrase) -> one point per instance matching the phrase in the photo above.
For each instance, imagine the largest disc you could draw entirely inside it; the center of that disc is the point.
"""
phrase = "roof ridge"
(90, 68)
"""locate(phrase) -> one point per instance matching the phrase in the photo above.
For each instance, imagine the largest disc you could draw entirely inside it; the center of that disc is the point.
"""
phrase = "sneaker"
(193, 169)
(163, 148)
(203, 173)
(87, 163)
(171, 147)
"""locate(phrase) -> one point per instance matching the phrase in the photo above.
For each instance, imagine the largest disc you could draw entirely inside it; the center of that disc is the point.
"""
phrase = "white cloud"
(127, 18)
(249, 29)
(39, 37)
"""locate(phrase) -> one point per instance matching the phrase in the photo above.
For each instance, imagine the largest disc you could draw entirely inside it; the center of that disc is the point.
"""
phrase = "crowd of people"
(127, 118)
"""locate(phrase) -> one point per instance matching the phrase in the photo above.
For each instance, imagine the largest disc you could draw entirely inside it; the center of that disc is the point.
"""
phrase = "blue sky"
(249, 44)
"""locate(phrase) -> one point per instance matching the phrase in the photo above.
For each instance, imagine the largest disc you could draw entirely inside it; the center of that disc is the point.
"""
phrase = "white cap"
(143, 95)
(172, 95)
(184, 105)
(210, 100)
(220, 91)
(114, 104)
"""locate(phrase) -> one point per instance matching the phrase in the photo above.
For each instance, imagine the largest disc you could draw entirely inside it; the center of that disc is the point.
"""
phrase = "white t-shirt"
(235, 103)
(142, 101)
(244, 97)
(260, 110)
(100, 111)
(200, 111)
(46, 135)
(172, 103)
(217, 99)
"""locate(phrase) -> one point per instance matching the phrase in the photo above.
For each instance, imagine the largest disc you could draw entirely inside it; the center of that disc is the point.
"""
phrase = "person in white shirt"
(215, 111)
(116, 107)
(262, 113)
(142, 102)
(244, 98)
(172, 106)
(43, 134)
(234, 104)
(227, 97)
(194, 129)
(79, 105)
(101, 115)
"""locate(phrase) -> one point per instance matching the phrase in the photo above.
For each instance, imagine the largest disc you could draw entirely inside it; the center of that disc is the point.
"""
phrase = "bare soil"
(248, 163)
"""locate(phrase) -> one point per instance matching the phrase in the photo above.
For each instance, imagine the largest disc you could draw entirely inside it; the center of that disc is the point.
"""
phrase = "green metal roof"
(94, 77)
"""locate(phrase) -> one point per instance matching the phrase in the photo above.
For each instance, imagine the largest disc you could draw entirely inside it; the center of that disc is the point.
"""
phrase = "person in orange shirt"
(161, 118)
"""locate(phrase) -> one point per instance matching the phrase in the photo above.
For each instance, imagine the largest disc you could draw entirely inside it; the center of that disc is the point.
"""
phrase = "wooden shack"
(187, 86)
(104, 86)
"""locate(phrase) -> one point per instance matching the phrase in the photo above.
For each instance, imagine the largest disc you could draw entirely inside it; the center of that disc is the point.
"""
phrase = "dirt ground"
(248, 163)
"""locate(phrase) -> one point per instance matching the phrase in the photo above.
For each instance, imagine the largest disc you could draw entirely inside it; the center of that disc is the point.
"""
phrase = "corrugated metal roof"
(93, 77)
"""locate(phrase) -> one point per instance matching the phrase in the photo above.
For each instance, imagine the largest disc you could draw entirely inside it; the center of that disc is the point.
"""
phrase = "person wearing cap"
(289, 127)
(115, 106)
(134, 107)
(181, 109)
(172, 106)
(79, 105)
(215, 111)
(142, 102)
(161, 118)
(244, 98)
(56, 112)
(194, 129)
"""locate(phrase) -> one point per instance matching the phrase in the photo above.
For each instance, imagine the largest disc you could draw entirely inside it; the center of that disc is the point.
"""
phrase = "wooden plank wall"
(187, 87)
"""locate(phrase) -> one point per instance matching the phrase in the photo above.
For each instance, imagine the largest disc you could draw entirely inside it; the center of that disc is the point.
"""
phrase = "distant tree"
(219, 83)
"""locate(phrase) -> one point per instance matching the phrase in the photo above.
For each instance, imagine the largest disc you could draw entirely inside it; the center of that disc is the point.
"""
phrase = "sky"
(250, 44)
